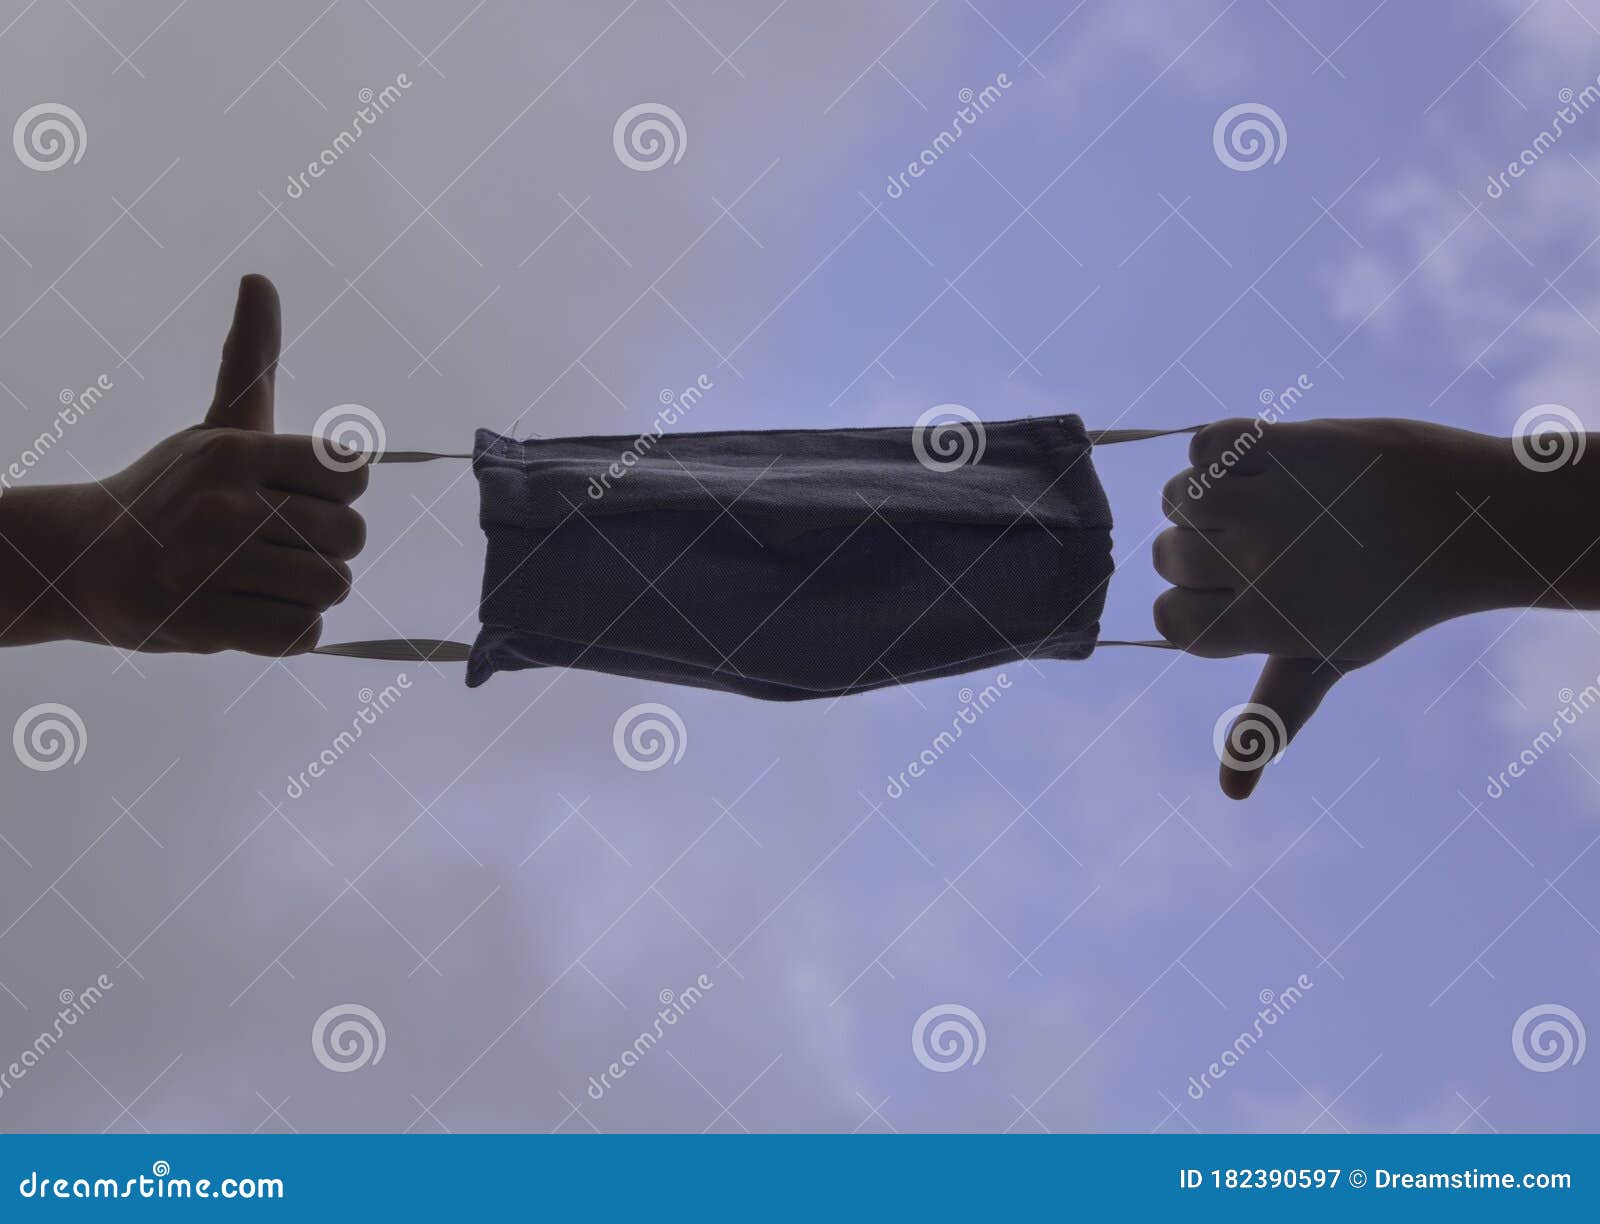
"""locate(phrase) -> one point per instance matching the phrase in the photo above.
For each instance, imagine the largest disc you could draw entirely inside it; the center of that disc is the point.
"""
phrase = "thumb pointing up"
(1285, 697)
(246, 380)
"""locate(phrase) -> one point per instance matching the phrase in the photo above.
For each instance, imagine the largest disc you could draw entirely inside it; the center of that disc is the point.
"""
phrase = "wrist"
(90, 549)
(47, 532)
(1541, 555)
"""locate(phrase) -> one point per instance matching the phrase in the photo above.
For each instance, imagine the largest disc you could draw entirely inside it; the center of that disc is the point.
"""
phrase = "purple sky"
(483, 873)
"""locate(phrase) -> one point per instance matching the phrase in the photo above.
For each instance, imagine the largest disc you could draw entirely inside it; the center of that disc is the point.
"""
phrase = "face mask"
(787, 564)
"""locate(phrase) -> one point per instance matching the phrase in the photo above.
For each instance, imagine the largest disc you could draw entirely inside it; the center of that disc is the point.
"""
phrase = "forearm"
(1540, 529)
(44, 532)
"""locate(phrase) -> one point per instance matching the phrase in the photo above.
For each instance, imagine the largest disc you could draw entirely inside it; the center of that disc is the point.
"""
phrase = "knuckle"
(1254, 556)
(296, 449)
(1255, 608)
(215, 521)
(1161, 553)
(1249, 558)
(263, 509)
(225, 449)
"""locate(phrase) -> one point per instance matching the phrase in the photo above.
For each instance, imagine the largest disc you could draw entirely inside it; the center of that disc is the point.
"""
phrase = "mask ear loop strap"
(403, 650)
(400, 650)
(1108, 437)
(436, 650)
(433, 650)
(413, 456)
(1098, 437)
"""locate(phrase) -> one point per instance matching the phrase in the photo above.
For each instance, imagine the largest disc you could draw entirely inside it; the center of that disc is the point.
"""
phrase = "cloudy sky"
(481, 872)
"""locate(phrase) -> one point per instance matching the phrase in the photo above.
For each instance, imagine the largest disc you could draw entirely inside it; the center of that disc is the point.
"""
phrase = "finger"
(287, 575)
(249, 367)
(1195, 560)
(1205, 623)
(1236, 446)
(313, 523)
(1216, 624)
(1286, 696)
(261, 626)
(299, 464)
(1193, 498)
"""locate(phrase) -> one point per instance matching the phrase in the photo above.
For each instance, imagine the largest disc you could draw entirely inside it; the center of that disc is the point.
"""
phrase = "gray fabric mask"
(787, 564)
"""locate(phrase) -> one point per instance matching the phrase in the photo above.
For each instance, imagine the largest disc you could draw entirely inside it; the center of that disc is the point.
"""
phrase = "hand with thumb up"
(1325, 544)
(224, 536)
